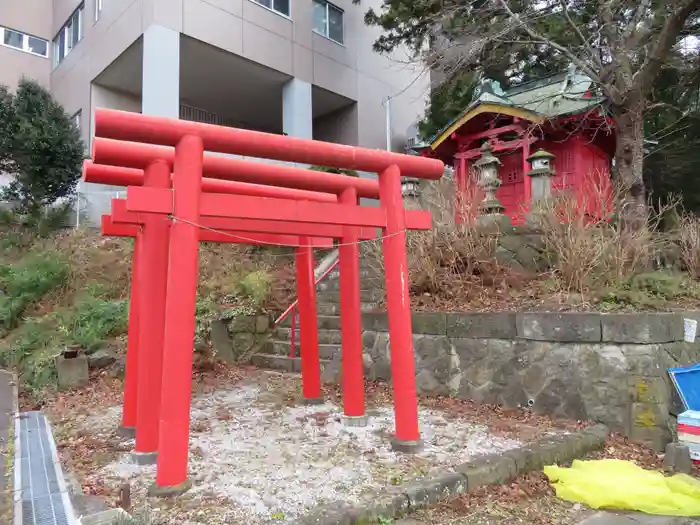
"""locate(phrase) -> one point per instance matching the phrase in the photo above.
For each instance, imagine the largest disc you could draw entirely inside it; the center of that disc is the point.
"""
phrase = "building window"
(328, 20)
(78, 120)
(22, 42)
(69, 36)
(278, 6)
(98, 9)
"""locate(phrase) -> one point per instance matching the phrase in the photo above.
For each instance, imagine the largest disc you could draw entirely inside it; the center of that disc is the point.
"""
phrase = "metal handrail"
(292, 309)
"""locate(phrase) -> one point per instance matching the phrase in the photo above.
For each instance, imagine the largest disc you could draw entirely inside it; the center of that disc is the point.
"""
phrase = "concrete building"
(301, 67)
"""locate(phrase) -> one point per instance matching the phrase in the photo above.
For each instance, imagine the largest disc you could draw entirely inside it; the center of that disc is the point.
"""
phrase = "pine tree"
(447, 102)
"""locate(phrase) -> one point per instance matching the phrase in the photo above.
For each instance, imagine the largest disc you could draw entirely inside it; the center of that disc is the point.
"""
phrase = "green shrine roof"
(566, 93)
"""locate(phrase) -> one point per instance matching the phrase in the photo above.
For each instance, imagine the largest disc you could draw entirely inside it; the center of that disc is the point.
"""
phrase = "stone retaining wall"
(236, 339)
(610, 368)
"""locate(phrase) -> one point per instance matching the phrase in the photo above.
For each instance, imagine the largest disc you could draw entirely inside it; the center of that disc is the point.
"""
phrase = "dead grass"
(527, 500)
(98, 272)
(452, 256)
(688, 235)
(103, 265)
(588, 247)
(592, 261)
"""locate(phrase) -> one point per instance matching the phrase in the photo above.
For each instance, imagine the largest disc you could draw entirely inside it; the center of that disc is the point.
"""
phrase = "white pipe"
(77, 206)
(326, 263)
(387, 114)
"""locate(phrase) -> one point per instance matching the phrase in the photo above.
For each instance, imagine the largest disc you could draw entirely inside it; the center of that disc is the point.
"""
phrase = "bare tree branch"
(594, 57)
(667, 38)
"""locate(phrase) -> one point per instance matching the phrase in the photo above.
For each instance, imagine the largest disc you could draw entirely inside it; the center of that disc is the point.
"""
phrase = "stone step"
(366, 283)
(324, 309)
(329, 369)
(366, 296)
(325, 337)
(325, 351)
(325, 322)
(365, 273)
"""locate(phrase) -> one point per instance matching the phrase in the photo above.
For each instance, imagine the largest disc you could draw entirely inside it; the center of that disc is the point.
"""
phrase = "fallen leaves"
(530, 499)
(84, 453)
(515, 423)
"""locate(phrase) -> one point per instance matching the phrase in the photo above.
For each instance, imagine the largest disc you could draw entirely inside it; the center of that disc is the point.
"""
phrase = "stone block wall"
(237, 338)
(522, 249)
(610, 368)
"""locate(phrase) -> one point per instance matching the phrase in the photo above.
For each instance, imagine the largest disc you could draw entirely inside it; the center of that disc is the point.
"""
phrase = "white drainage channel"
(41, 494)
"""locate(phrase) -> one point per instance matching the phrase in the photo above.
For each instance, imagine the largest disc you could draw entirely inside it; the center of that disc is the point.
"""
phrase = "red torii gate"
(147, 435)
(141, 412)
(187, 213)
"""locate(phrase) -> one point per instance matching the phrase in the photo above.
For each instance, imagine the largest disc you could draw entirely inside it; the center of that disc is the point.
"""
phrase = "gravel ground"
(256, 458)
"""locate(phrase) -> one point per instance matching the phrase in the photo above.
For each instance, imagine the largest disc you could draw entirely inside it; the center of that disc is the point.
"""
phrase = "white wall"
(96, 199)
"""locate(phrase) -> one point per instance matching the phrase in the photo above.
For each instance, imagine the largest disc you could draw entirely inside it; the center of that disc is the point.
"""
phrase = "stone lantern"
(410, 187)
(488, 180)
(410, 191)
(491, 210)
(541, 173)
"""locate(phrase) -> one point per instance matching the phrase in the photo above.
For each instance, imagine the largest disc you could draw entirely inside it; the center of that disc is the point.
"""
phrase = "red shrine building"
(559, 114)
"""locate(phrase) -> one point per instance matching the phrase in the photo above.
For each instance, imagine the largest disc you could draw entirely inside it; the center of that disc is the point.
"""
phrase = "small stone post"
(677, 459)
(72, 368)
(490, 208)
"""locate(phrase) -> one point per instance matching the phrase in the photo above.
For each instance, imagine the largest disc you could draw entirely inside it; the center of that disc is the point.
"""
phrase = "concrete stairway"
(276, 355)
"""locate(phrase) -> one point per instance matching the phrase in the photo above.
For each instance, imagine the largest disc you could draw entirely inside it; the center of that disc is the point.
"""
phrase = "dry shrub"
(441, 259)
(688, 238)
(588, 247)
(227, 272)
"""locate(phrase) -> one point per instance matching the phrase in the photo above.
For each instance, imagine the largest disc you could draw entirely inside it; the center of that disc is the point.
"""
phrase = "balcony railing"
(194, 114)
(206, 117)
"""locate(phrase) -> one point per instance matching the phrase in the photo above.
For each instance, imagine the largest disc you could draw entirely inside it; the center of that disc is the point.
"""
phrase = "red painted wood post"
(153, 266)
(128, 426)
(351, 321)
(460, 181)
(527, 197)
(308, 324)
(173, 447)
(407, 437)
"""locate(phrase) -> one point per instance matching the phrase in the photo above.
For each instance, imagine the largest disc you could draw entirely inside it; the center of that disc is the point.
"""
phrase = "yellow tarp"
(617, 484)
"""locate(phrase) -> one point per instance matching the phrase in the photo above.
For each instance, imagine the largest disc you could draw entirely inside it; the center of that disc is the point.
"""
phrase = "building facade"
(305, 68)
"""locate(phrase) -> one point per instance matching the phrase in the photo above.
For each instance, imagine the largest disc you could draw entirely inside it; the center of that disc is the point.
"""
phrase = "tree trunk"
(629, 157)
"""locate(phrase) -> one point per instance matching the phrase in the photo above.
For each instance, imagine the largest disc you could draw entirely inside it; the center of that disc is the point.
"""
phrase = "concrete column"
(160, 92)
(297, 116)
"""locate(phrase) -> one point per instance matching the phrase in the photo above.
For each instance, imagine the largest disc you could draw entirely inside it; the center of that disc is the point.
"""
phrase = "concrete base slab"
(355, 421)
(406, 447)
(313, 401)
(155, 491)
(144, 458)
(127, 432)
